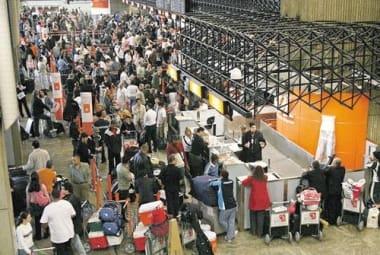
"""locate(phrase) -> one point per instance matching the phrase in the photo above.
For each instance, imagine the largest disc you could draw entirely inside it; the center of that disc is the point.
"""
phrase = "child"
(24, 234)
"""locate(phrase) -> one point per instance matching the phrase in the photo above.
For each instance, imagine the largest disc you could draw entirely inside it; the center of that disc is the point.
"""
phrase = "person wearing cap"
(112, 139)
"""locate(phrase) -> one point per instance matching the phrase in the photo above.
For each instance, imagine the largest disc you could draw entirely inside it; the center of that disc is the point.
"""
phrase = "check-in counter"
(198, 118)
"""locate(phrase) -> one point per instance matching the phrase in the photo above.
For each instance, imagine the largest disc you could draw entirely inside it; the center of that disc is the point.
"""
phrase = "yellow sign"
(216, 103)
(195, 88)
(172, 72)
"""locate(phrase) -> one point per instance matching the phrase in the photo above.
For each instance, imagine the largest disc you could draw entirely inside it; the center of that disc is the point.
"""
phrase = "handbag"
(160, 230)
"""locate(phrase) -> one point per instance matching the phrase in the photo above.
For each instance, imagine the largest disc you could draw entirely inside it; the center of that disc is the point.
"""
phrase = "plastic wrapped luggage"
(203, 192)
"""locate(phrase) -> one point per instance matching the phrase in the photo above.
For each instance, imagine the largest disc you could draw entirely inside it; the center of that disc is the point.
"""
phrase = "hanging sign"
(86, 112)
(100, 7)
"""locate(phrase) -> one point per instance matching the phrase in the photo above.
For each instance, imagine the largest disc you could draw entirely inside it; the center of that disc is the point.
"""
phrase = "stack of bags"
(112, 223)
(96, 236)
(211, 236)
(150, 214)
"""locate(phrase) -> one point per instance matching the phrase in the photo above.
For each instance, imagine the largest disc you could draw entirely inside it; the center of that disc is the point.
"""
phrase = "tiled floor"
(344, 240)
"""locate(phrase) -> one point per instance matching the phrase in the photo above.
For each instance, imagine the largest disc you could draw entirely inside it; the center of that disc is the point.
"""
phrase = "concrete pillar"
(7, 232)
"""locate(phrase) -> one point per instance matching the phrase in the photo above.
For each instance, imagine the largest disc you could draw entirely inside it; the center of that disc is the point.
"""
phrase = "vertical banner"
(100, 7)
(57, 95)
(86, 112)
(326, 142)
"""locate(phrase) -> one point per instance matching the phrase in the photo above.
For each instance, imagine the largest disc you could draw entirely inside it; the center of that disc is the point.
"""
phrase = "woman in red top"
(259, 200)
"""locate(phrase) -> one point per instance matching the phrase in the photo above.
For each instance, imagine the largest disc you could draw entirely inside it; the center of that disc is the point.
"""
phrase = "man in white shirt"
(150, 121)
(58, 215)
(37, 158)
(161, 120)
(132, 93)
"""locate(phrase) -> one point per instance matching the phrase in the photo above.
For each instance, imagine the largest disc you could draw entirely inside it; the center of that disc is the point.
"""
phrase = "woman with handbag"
(37, 198)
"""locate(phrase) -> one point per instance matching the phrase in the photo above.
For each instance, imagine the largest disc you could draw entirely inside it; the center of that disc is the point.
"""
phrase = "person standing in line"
(79, 175)
(112, 139)
(24, 234)
(212, 168)
(187, 140)
(161, 121)
(37, 197)
(38, 108)
(150, 128)
(47, 176)
(76, 242)
(21, 99)
(334, 178)
(259, 200)
(171, 177)
(226, 203)
(85, 148)
(37, 158)
(138, 112)
(124, 177)
(58, 215)
(253, 143)
(199, 153)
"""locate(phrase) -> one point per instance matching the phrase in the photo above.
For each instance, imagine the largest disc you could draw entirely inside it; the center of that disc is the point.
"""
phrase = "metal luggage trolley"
(309, 222)
(352, 209)
(44, 251)
(279, 222)
(155, 245)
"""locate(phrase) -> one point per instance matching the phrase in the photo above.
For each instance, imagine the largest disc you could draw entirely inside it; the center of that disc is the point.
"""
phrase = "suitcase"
(59, 127)
(16, 171)
(112, 228)
(97, 241)
(24, 134)
(203, 192)
(115, 240)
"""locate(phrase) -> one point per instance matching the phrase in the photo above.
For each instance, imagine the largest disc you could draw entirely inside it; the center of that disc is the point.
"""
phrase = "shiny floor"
(343, 240)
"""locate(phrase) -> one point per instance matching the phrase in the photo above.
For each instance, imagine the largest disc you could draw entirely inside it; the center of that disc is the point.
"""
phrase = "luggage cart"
(155, 245)
(352, 212)
(309, 222)
(279, 223)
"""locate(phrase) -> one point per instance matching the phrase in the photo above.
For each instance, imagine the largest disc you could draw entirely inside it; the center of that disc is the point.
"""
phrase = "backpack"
(40, 198)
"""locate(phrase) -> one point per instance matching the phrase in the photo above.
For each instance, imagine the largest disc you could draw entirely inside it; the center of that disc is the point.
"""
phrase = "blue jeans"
(227, 220)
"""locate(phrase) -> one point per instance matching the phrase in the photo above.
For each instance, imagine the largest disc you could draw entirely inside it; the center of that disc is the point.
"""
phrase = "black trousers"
(113, 161)
(257, 222)
(37, 227)
(172, 201)
(21, 103)
(36, 122)
(151, 136)
(333, 208)
(63, 248)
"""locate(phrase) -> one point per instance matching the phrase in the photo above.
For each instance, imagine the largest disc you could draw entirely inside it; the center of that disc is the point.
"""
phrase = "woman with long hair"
(37, 197)
(24, 234)
(259, 200)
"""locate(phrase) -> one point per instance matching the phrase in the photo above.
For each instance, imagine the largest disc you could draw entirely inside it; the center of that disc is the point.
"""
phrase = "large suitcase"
(203, 192)
(18, 184)
(16, 171)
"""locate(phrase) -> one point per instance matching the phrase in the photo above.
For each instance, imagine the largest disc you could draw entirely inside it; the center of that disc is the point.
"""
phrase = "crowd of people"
(122, 60)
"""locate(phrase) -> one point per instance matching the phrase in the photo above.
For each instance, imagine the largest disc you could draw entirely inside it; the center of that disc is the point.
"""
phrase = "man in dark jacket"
(253, 143)
(316, 178)
(334, 178)
(38, 108)
(170, 178)
(112, 139)
(141, 164)
(85, 148)
(67, 190)
(199, 153)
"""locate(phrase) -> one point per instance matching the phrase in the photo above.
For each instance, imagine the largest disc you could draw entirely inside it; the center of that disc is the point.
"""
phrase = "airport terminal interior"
(183, 127)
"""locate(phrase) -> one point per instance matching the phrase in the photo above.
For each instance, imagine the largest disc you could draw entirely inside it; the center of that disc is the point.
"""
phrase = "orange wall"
(350, 129)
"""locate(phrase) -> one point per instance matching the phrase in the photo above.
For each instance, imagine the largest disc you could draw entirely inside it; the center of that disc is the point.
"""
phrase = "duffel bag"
(310, 196)
(109, 213)
(112, 228)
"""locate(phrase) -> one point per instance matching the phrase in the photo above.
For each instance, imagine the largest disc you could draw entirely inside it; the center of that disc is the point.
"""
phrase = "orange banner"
(100, 4)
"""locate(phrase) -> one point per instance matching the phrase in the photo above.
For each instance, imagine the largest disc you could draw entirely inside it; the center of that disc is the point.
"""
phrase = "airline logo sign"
(100, 7)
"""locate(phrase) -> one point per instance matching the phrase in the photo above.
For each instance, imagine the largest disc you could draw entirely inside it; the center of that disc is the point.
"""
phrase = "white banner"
(55, 79)
(86, 107)
(326, 142)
